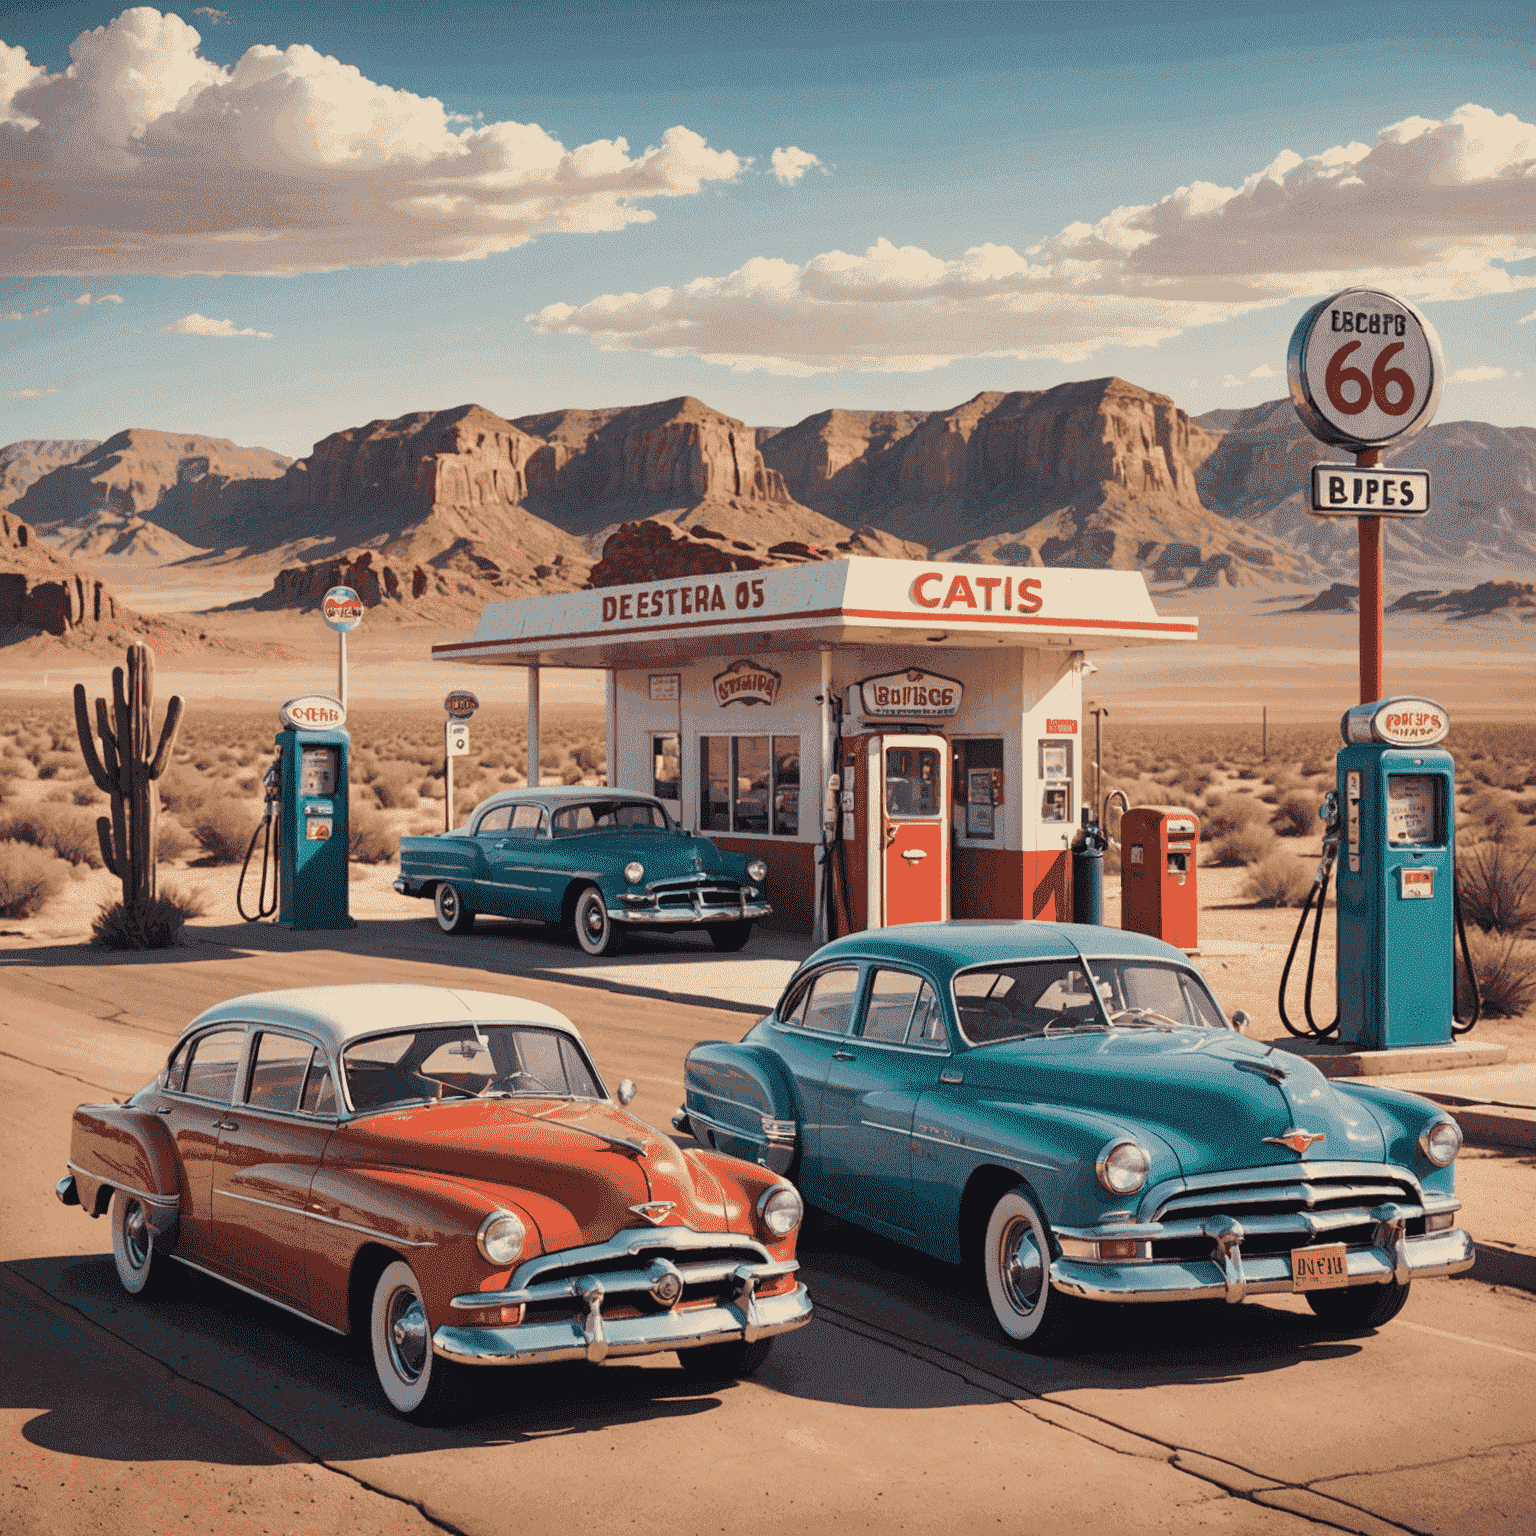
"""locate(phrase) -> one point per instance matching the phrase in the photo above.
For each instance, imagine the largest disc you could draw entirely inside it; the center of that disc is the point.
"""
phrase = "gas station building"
(946, 699)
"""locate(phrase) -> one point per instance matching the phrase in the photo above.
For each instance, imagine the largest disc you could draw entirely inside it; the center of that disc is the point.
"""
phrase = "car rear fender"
(426, 861)
(119, 1146)
(739, 1098)
(428, 1220)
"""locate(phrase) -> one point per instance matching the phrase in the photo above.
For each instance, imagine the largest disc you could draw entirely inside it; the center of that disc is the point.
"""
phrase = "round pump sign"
(1401, 722)
(312, 712)
(1365, 370)
(342, 609)
(461, 704)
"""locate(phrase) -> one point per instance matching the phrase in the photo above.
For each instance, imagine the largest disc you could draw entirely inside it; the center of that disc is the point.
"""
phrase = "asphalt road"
(896, 1409)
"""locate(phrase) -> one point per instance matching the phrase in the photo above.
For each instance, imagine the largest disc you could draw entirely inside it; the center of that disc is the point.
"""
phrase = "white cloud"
(84, 298)
(1194, 383)
(214, 17)
(1263, 371)
(288, 161)
(30, 394)
(1476, 375)
(47, 309)
(1526, 319)
(15, 314)
(1463, 200)
(789, 165)
(1231, 382)
(201, 325)
(110, 298)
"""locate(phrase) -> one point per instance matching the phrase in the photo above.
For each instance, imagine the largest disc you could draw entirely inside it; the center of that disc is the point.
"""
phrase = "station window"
(750, 784)
(666, 767)
(978, 787)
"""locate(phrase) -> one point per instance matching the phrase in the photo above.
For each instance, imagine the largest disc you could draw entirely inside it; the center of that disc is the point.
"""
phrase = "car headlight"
(634, 872)
(1122, 1167)
(1441, 1142)
(780, 1209)
(500, 1238)
(757, 870)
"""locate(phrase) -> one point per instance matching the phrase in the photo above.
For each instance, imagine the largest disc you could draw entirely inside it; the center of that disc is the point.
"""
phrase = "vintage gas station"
(900, 740)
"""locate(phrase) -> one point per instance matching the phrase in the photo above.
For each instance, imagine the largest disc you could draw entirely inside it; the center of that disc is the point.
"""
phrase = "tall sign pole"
(342, 610)
(1366, 372)
(460, 706)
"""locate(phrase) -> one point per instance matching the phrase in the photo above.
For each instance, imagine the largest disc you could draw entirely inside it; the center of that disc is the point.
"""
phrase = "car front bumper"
(1234, 1277)
(690, 916)
(597, 1338)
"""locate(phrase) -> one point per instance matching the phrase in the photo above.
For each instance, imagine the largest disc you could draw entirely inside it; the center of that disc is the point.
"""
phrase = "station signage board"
(342, 609)
(909, 695)
(1347, 490)
(461, 704)
(1365, 370)
(746, 682)
(666, 687)
(1401, 722)
(312, 712)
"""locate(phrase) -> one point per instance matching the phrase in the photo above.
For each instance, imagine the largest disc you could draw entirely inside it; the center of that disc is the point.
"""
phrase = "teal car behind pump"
(600, 860)
(1068, 1110)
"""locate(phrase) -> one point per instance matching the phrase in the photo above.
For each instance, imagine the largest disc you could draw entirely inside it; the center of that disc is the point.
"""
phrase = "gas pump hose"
(1457, 1027)
(1329, 811)
(263, 907)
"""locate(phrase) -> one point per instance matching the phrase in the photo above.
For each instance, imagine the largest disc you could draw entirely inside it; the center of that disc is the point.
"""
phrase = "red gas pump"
(1158, 848)
(894, 813)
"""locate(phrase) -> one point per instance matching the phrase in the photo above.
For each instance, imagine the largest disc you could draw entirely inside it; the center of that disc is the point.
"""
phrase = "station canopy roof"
(859, 601)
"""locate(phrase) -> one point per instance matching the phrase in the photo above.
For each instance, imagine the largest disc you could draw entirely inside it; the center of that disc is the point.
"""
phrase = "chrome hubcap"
(1022, 1271)
(407, 1326)
(594, 919)
(450, 904)
(136, 1235)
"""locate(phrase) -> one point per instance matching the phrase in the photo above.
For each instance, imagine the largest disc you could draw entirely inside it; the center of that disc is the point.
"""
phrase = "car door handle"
(162, 1109)
(844, 1056)
(951, 1078)
(226, 1125)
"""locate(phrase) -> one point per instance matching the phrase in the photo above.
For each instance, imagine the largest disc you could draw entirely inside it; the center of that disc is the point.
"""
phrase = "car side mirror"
(626, 1092)
(1240, 1022)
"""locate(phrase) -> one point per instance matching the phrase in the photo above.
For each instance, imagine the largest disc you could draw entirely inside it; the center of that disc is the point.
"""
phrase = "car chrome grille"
(686, 894)
(1281, 1209)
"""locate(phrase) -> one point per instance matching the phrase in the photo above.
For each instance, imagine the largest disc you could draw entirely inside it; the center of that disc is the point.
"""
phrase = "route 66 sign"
(1365, 370)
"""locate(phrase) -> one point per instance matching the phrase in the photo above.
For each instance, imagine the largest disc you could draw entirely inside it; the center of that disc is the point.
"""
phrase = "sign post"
(461, 705)
(1365, 372)
(342, 610)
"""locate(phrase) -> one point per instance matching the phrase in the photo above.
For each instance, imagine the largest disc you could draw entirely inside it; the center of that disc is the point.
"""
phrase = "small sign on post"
(1365, 372)
(460, 705)
(342, 610)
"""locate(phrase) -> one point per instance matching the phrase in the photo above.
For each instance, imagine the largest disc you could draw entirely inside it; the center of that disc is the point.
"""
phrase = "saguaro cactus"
(126, 771)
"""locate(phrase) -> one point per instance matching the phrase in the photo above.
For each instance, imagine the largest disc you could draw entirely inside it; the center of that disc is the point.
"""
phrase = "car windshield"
(457, 1061)
(602, 815)
(1054, 997)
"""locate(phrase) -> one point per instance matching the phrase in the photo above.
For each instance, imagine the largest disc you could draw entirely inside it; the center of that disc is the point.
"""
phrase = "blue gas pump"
(307, 790)
(1392, 830)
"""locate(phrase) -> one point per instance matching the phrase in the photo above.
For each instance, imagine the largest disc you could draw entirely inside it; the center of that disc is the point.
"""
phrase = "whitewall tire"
(596, 932)
(451, 913)
(1016, 1265)
(140, 1269)
(417, 1384)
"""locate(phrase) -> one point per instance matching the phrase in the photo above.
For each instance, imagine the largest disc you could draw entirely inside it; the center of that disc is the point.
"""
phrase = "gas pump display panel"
(317, 772)
(1413, 810)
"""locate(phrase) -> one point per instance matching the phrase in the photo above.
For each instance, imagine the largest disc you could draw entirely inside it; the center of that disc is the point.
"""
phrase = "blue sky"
(1010, 130)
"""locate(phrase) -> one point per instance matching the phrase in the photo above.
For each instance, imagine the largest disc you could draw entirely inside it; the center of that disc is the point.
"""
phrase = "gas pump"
(1392, 831)
(307, 790)
(893, 800)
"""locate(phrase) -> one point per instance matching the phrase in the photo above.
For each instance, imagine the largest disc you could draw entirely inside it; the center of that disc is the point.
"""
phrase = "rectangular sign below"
(1345, 490)
(666, 687)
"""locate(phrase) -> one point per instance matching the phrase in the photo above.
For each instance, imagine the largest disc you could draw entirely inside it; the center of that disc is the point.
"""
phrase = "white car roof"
(337, 1015)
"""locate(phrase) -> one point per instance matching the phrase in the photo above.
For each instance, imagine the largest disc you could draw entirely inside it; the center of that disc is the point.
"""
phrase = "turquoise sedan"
(600, 861)
(1068, 1111)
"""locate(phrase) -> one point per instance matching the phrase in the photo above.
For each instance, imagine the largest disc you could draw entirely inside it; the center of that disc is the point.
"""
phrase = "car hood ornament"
(1297, 1141)
(655, 1211)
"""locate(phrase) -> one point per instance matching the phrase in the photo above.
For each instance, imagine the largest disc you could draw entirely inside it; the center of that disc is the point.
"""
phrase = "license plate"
(1319, 1269)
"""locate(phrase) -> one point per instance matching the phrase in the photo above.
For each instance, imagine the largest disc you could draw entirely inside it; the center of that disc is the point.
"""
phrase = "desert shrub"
(1231, 813)
(1247, 845)
(223, 829)
(181, 790)
(1281, 880)
(1494, 813)
(86, 794)
(431, 789)
(190, 900)
(71, 836)
(1505, 967)
(1497, 885)
(153, 924)
(59, 764)
(171, 840)
(570, 774)
(29, 876)
(393, 789)
(1296, 815)
(370, 838)
(1247, 773)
